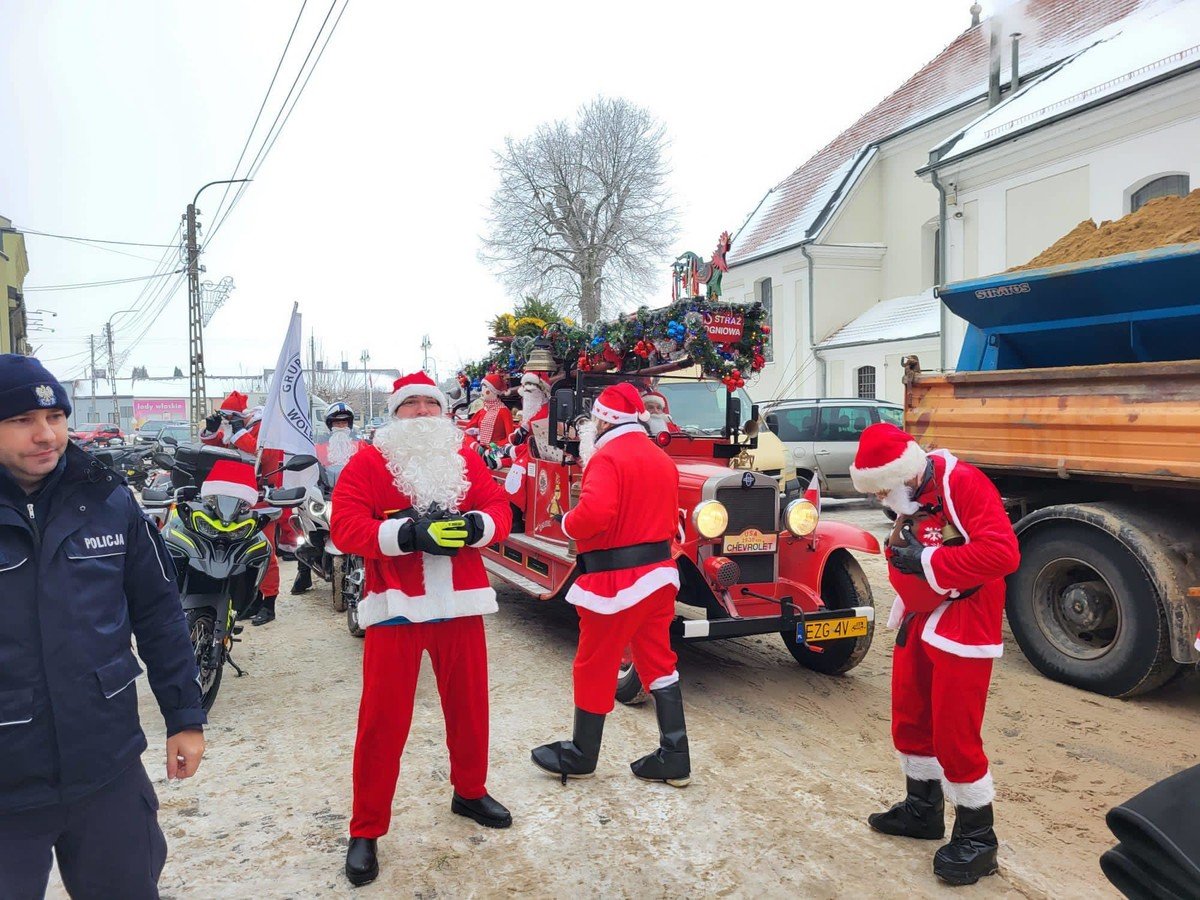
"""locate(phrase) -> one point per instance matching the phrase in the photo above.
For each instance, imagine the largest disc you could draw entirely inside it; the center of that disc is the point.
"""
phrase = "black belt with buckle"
(623, 557)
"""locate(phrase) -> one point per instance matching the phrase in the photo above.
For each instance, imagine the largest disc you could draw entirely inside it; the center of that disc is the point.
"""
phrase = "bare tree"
(581, 218)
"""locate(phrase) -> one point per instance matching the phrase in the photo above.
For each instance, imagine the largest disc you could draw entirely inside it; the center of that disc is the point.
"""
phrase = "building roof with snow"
(1053, 30)
(1161, 42)
(897, 319)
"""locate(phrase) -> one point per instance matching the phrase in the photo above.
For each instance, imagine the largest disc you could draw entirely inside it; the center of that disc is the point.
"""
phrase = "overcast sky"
(369, 208)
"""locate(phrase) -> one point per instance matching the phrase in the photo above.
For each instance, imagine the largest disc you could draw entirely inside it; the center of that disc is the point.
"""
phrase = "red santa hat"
(418, 384)
(620, 404)
(235, 404)
(540, 380)
(887, 457)
(661, 399)
(494, 383)
(231, 478)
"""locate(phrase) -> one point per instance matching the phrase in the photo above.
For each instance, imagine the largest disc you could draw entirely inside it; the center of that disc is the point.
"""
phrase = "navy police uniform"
(82, 570)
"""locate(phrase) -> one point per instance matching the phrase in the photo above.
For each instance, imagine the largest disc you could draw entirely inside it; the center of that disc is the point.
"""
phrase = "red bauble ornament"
(759, 362)
(766, 329)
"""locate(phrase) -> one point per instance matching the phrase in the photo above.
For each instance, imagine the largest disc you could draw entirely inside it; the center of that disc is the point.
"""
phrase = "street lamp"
(112, 363)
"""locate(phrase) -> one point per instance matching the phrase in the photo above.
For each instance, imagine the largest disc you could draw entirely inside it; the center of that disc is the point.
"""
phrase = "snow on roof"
(900, 318)
(1165, 38)
(1052, 31)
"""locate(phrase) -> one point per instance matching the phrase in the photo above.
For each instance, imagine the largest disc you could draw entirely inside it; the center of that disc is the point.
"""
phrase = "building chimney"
(1016, 61)
(994, 65)
(976, 9)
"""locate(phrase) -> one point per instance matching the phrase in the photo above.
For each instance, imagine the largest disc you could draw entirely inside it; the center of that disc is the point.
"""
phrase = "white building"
(856, 225)
(1113, 127)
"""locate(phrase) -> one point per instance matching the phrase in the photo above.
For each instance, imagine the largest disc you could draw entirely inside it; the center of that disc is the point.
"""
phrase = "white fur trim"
(243, 492)
(922, 768)
(379, 606)
(415, 390)
(489, 530)
(567, 534)
(665, 681)
(951, 510)
(927, 567)
(605, 414)
(896, 615)
(971, 795)
(619, 431)
(238, 435)
(910, 464)
(626, 596)
(389, 537)
(971, 651)
(512, 481)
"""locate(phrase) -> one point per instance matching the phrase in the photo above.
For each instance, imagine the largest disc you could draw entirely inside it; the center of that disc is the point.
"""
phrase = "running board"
(503, 572)
(716, 629)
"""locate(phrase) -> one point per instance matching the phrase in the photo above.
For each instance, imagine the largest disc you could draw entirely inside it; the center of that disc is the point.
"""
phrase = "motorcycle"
(315, 549)
(219, 550)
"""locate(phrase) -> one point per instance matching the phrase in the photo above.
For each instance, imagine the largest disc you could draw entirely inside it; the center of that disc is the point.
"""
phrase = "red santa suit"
(244, 437)
(492, 423)
(534, 436)
(415, 602)
(950, 614)
(663, 422)
(629, 497)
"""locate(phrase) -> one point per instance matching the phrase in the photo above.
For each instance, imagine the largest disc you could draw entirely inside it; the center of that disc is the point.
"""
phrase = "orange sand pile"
(1161, 222)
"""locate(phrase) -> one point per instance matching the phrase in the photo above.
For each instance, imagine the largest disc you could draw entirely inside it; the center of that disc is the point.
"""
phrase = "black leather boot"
(486, 811)
(303, 580)
(971, 853)
(670, 762)
(362, 866)
(577, 757)
(266, 613)
(922, 814)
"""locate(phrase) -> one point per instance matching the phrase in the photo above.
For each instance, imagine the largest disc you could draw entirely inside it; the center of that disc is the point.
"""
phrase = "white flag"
(286, 424)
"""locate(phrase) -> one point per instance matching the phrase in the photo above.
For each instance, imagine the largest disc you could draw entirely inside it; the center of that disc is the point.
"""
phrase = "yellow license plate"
(750, 541)
(833, 629)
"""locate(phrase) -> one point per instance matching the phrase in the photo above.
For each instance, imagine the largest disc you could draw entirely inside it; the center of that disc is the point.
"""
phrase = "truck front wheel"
(844, 585)
(1085, 613)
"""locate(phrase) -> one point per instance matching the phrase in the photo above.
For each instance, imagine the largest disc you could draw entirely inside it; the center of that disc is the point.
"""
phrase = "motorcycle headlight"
(711, 518)
(800, 518)
(209, 527)
(318, 508)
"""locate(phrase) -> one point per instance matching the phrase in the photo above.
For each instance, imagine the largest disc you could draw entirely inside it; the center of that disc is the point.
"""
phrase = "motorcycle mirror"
(299, 462)
(169, 440)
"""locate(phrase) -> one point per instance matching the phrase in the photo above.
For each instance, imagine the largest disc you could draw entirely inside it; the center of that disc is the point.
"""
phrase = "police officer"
(82, 571)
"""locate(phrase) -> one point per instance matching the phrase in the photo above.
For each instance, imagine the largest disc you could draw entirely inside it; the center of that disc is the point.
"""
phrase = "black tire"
(844, 585)
(202, 625)
(352, 621)
(1085, 613)
(629, 686)
(339, 584)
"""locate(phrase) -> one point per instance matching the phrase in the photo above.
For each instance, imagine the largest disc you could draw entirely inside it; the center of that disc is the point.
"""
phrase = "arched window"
(1163, 186)
(866, 382)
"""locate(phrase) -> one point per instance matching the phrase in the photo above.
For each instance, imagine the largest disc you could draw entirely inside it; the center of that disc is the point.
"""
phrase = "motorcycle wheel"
(202, 625)
(339, 584)
(352, 592)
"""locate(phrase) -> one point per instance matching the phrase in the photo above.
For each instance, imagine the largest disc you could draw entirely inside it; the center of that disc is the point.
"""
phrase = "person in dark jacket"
(82, 571)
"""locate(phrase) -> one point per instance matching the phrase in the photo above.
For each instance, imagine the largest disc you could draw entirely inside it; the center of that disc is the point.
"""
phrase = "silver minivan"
(821, 435)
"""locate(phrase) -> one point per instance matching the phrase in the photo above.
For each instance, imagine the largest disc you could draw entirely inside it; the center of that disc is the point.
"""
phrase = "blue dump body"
(1137, 307)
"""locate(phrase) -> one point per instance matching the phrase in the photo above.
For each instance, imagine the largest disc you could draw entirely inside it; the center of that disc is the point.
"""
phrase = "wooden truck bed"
(1137, 422)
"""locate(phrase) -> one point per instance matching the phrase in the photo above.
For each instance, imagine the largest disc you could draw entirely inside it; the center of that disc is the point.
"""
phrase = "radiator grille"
(757, 568)
(750, 508)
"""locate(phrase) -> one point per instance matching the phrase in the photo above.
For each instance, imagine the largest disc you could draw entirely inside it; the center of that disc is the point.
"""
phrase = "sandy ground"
(786, 766)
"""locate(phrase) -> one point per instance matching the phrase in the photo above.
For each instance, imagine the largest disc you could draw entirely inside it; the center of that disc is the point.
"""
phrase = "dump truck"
(1078, 392)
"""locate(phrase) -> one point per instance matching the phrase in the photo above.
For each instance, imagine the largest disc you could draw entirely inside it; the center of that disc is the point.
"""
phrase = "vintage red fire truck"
(752, 560)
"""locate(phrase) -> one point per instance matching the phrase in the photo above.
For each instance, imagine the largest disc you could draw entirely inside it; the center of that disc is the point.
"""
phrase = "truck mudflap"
(809, 628)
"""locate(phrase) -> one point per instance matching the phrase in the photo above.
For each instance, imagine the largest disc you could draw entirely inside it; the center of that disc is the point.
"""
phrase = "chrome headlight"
(711, 519)
(318, 509)
(800, 518)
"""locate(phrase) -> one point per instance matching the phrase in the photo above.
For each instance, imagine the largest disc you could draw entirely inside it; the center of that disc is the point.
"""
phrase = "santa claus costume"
(659, 411)
(416, 506)
(236, 425)
(623, 524)
(948, 574)
(531, 439)
(492, 423)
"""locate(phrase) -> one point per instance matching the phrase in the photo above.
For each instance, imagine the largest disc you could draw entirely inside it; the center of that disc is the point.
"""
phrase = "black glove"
(475, 528)
(907, 559)
(212, 423)
(236, 424)
(518, 437)
(437, 537)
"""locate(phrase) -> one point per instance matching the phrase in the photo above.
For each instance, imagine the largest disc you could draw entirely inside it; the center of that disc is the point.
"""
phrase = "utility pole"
(312, 369)
(366, 357)
(425, 345)
(92, 345)
(112, 372)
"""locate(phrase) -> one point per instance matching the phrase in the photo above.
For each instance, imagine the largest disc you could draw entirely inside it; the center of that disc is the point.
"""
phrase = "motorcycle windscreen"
(229, 509)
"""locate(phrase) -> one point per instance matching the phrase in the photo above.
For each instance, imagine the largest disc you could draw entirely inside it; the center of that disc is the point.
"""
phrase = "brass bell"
(541, 360)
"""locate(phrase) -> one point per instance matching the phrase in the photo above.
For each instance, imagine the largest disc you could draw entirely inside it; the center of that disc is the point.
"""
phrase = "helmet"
(338, 410)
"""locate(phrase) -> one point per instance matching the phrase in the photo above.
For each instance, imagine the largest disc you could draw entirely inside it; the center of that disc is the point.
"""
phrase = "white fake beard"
(423, 456)
(657, 423)
(900, 501)
(587, 440)
(532, 400)
(341, 446)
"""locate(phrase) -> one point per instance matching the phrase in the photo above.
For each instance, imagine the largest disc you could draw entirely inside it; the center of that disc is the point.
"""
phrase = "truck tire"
(1085, 613)
(844, 585)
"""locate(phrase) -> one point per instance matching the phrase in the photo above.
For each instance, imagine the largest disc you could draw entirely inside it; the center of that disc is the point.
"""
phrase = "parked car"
(93, 432)
(821, 435)
(147, 432)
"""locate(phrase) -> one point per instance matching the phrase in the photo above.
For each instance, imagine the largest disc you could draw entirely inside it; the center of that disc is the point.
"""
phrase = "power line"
(264, 150)
(95, 284)
(261, 107)
(105, 249)
(84, 240)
